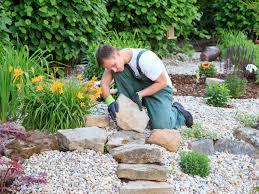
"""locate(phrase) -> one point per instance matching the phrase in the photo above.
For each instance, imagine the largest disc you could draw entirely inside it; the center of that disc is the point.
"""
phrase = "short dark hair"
(104, 52)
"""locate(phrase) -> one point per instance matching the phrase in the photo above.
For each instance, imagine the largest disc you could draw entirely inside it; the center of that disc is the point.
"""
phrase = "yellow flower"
(60, 91)
(94, 78)
(54, 86)
(92, 97)
(82, 104)
(32, 69)
(18, 86)
(18, 72)
(36, 79)
(10, 68)
(80, 95)
(90, 83)
(39, 88)
(79, 77)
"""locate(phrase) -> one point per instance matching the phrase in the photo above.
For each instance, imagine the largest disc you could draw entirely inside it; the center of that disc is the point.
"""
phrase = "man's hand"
(137, 99)
(113, 107)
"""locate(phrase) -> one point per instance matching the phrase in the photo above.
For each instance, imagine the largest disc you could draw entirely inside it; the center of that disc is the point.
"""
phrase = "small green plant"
(247, 120)
(207, 69)
(197, 132)
(195, 163)
(236, 85)
(217, 94)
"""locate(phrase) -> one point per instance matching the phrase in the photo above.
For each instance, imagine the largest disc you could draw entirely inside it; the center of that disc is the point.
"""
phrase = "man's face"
(114, 63)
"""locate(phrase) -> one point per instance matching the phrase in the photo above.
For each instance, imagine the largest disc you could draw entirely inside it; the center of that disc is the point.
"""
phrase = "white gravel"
(73, 172)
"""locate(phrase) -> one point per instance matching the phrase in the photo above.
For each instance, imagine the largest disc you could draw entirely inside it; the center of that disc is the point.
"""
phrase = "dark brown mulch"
(186, 86)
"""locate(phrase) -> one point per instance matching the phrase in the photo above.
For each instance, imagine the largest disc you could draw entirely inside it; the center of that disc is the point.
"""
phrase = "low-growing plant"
(217, 94)
(195, 163)
(247, 120)
(53, 104)
(208, 69)
(197, 131)
(236, 85)
(118, 40)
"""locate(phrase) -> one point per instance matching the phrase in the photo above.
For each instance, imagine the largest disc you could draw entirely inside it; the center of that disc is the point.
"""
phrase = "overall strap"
(138, 57)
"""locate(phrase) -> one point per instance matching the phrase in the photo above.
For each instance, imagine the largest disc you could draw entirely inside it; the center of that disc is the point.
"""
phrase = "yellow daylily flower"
(18, 72)
(40, 88)
(82, 104)
(92, 97)
(80, 95)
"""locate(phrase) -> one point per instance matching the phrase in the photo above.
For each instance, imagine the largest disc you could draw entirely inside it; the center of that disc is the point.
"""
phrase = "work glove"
(137, 99)
(113, 107)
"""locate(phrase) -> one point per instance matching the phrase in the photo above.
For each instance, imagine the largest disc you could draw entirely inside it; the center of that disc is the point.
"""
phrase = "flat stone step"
(149, 172)
(146, 187)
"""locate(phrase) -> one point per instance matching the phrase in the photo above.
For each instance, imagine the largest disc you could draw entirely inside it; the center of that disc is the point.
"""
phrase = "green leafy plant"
(195, 163)
(197, 131)
(152, 18)
(234, 14)
(17, 66)
(64, 28)
(119, 40)
(50, 105)
(217, 94)
(208, 69)
(236, 85)
(247, 120)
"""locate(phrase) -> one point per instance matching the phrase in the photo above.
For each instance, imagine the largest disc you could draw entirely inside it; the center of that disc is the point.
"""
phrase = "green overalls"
(159, 105)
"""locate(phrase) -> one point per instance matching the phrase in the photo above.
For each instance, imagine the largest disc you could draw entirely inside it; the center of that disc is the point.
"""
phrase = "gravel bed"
(73, 172)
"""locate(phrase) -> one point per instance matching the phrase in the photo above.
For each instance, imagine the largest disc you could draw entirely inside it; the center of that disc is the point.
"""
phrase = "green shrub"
(217, 94)
(17, 67)
(118, 40)
(151, 18)
(236, 85)
(50, 105)
(197, 132)
(247, 120)
(4, 20)
(64, 28)
(234, 14)
(207, 69)
(195, 163)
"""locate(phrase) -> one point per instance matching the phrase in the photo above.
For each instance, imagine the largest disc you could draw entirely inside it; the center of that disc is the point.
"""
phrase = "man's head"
(110, 58)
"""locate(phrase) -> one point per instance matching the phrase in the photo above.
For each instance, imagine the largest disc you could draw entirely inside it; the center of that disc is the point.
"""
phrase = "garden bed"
(186, 86)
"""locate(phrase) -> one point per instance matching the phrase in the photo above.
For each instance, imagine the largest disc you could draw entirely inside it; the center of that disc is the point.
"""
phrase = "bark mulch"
(186, 86)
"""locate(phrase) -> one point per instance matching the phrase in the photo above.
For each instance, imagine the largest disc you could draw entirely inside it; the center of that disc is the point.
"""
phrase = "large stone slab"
(92, 138)
(125, 137)
(146, 187)
(129, 116)
(35, 143)
(234, 147)
(167, 138)
(150, 172)
(97, 121)
(205, 146)
(248, 135)
(135, 153)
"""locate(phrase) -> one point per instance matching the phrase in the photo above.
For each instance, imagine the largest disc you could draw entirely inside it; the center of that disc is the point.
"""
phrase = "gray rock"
(205, 146)
(142, 172)
(135, 153)
(97, 121)
(82, 138)
(234, 147)
(196, 56)
(248, 135)
(146, 187)
(125, 137)
(211, 80)
(129, 116)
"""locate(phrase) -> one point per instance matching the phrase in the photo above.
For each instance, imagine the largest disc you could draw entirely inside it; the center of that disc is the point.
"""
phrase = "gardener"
(140, 75)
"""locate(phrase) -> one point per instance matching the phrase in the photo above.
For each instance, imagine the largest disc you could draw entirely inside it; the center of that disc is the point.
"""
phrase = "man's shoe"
(187, 115)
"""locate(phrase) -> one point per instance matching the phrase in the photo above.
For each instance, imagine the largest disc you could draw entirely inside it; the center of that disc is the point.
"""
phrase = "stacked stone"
(139, 163)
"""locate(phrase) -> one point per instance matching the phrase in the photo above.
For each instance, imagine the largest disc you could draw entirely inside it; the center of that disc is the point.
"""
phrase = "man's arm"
(158, 85)
(105, 83)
